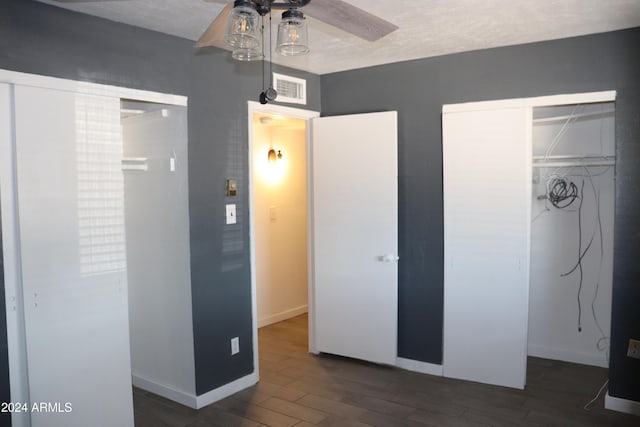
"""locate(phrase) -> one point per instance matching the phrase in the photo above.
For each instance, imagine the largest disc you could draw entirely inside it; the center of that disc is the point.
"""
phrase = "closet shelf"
(572, 116)
(562, 161)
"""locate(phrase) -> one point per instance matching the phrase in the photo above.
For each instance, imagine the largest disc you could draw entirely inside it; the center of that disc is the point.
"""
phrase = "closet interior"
(573, 201)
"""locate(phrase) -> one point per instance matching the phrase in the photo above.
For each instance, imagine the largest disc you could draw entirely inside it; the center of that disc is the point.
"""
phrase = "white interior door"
(487, 221)
(70, 199)
(355, 201)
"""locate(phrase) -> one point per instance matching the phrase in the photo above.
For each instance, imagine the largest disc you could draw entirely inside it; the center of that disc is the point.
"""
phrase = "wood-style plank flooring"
(300, 389)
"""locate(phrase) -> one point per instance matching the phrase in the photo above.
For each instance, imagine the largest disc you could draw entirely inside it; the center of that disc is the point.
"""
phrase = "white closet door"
(487, 211)
(70, 198)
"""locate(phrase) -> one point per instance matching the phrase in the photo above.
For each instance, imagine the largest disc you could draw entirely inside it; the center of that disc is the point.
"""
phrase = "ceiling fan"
(337, 13)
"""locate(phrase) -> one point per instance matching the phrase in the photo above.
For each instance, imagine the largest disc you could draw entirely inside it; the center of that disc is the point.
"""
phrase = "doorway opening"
(280, 216)
(573, 207)
(351, 231)
(279, 198)
(156, 217)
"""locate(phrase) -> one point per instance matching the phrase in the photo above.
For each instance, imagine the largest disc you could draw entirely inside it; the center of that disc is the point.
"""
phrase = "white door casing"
(307, 115)
(355, 235)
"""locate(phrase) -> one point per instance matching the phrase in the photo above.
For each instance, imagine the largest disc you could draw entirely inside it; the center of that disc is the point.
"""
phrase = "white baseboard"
(283, 315)
(621, 405)
(226, 390)
(417, 366)
(591, 359)
(164, 391)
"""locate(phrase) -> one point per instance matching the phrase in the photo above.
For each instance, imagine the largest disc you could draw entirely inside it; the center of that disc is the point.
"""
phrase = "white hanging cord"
(587, 407)
(572, 117)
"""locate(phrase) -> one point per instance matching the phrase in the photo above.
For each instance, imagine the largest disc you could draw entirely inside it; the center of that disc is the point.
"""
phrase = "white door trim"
(16, 344)
(539, 101)
(255, 107)
(621, 405)
(35, 80)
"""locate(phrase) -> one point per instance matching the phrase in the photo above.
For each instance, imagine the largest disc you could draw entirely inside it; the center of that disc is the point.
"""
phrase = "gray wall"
(41, 39)
(418, 89)
(220, 264)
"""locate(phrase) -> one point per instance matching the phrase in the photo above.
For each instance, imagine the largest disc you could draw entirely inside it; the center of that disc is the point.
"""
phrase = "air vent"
(290, 89)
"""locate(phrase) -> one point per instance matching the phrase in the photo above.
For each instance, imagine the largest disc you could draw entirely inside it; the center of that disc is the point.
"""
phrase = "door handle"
(388, 258)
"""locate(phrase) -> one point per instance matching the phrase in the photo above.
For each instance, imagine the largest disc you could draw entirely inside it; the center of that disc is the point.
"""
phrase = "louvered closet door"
(487, 211)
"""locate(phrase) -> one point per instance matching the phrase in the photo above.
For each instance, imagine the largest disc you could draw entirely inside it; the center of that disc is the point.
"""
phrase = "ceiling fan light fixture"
(293, 37)
(243, 54)
(243, 26)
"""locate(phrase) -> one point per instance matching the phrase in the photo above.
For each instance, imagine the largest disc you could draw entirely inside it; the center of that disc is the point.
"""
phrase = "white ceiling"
(427, 27)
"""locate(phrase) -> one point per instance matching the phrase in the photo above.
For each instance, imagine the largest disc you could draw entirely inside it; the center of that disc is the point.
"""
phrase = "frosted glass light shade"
(243, 28)
(293, 37)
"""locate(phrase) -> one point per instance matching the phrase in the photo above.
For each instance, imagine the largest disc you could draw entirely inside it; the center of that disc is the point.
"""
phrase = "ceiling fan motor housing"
(243, 3)
(264, 6)
(299, 3)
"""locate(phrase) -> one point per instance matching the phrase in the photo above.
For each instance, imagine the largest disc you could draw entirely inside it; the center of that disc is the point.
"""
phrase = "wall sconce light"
(272, 156)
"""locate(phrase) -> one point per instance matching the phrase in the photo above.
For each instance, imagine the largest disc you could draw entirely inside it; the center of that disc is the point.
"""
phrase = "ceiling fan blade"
(350, 19)
(214, 35)
(84, 1)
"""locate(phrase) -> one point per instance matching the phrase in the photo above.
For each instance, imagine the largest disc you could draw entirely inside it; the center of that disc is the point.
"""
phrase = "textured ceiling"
(427, 27)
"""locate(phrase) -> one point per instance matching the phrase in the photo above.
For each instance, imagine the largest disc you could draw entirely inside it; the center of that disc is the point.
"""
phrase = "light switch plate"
(231, 214)
(634, 349)
(235, 345)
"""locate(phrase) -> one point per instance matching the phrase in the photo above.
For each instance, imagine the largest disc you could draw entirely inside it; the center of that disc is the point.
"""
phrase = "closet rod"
(134, 164)
(573, 157)
(578, 163)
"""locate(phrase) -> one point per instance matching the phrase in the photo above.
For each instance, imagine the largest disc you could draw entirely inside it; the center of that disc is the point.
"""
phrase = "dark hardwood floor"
(300, 389)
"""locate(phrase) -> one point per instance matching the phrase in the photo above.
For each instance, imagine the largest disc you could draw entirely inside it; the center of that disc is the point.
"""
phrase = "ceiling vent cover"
(290, 89)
